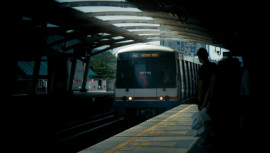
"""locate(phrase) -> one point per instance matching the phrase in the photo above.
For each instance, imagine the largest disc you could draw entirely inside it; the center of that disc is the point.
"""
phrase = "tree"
(104, 65)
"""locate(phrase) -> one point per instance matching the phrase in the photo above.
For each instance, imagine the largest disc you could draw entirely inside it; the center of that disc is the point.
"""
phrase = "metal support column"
(85, 76)
(72, 72)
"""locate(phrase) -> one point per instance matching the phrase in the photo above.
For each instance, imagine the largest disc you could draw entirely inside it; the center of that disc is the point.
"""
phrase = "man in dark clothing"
(224, 105)
(206, 72)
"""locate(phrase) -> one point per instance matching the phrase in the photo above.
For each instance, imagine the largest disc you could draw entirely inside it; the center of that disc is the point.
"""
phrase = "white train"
(151, 79)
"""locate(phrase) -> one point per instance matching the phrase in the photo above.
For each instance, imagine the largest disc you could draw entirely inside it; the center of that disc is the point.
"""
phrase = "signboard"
(144, 55)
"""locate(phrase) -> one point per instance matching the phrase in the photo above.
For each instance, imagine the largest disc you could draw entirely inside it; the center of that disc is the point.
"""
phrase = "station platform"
(168, 132)
(94, 94)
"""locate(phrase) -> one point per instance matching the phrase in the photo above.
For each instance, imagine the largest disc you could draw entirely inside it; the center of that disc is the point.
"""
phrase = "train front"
(146, 83)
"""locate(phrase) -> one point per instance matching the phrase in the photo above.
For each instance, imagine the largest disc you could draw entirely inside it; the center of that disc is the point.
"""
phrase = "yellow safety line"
(146, 131)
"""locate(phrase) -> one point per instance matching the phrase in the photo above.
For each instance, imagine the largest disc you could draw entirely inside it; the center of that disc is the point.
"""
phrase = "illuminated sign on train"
(145, 55)
(135, 55)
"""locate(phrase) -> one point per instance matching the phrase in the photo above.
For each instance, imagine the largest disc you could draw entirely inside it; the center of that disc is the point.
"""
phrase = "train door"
(145, 80)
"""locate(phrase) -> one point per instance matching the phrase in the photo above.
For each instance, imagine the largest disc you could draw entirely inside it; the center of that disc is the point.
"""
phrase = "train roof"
(146, 47)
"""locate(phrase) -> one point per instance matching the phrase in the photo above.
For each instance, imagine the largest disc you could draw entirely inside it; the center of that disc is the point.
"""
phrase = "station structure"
(53, 35)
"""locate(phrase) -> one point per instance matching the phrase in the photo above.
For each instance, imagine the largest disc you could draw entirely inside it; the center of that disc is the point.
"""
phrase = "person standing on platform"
(206, 71)
(224, 104)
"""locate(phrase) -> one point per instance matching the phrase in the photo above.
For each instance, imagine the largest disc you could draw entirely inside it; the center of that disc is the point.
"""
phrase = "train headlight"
(161, 98)
(130, 98)
(167, 98)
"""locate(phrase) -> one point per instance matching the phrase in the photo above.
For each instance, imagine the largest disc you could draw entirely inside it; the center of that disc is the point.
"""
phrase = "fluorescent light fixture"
(92, 9)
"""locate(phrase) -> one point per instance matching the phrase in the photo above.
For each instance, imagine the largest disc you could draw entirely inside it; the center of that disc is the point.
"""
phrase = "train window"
(125, 73)
(146, 70)
(145, 74)
(166, 74)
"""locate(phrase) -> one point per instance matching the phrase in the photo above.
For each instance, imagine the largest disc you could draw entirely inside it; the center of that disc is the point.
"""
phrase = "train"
(151, 79)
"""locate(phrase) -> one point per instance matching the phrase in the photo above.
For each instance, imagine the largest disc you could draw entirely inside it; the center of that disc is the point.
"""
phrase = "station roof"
(97, 26)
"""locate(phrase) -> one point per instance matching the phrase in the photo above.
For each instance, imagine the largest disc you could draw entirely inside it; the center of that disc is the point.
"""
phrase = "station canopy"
(89, 27)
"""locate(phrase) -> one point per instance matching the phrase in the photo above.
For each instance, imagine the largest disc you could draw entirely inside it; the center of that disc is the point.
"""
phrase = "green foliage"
(104, 65)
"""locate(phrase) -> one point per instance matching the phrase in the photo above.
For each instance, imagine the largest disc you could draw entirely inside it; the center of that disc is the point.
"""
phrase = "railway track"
(77, 135)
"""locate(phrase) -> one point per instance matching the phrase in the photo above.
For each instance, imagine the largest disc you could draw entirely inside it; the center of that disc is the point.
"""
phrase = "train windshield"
(125, 74)
(155, 70)
(144, 74)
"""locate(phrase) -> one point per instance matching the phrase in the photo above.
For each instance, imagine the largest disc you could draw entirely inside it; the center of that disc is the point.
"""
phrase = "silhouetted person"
(206, 72)
(224, 104)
